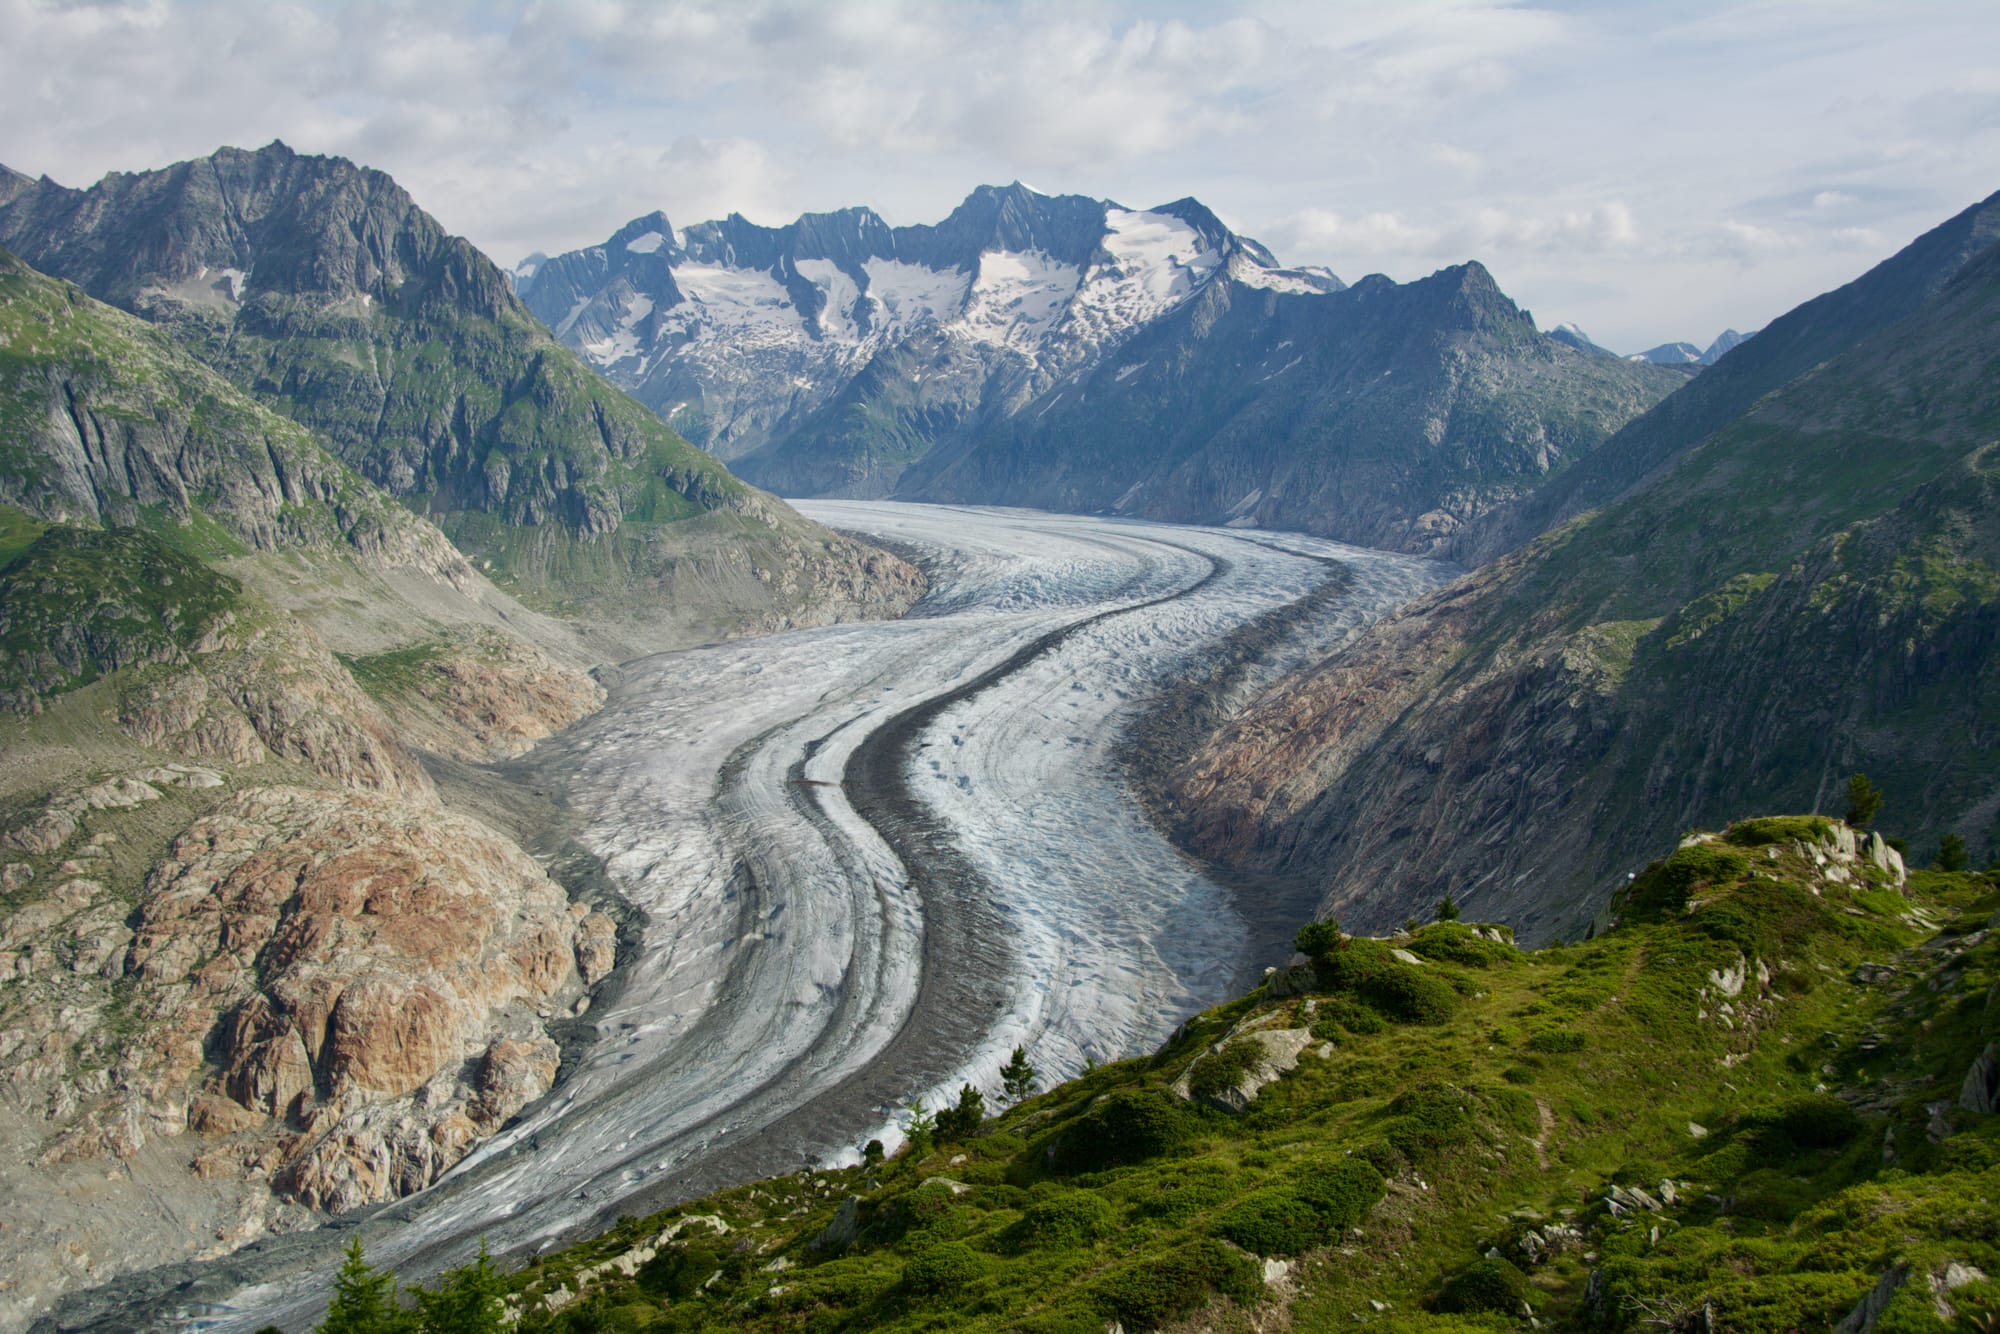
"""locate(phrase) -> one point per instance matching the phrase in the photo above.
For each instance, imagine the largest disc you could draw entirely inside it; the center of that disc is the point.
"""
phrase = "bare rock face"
(270, 688)
(487, 696)
(340, 992)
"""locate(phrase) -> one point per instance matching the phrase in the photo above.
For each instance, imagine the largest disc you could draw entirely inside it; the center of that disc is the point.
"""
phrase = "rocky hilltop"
(1806, 589)
(323, 289)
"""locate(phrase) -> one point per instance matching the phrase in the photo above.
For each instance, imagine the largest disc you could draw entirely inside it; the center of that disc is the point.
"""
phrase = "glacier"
(872, 858)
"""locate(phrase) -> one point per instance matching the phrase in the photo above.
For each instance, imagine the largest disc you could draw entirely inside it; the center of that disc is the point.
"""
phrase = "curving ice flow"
(873, 858)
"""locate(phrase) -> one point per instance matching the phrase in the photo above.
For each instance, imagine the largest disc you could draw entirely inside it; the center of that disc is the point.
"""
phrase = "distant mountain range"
(1666, 354)
(1072, 353)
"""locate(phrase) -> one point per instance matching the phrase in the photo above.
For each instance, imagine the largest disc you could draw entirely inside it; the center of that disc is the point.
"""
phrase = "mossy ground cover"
(1740, 1100)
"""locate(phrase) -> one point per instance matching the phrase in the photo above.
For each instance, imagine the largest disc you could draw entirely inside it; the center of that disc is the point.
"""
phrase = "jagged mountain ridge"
(321, 287)
(756, 341)
(1807, 591)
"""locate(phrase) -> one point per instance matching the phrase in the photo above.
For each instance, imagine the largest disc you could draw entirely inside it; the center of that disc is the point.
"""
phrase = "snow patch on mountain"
(645, 243)
(624, 340)
(746, 307)
(1017, 297)
(907, 295)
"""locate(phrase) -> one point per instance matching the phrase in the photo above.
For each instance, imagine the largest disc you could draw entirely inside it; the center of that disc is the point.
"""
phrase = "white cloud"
(1649, 173)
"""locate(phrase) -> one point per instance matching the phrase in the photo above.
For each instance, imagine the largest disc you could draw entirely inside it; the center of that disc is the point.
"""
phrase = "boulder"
(1279, 1051)
(1981, 1090)
(1862, 1319)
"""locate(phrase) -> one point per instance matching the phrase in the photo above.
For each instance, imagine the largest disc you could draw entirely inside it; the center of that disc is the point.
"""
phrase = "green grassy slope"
(1742, 1100)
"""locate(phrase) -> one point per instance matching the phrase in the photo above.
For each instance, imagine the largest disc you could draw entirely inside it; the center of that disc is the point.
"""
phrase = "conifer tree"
(1864, 801)
(364, 1300)
(466, 1301)
(1017, 1077)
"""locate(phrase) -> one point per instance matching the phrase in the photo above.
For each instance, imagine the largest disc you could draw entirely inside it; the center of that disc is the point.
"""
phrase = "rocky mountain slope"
(1385, 414)
(1069, 353)
(251, 968)
(1764, 1101)
(322, 288)
(1808, 591)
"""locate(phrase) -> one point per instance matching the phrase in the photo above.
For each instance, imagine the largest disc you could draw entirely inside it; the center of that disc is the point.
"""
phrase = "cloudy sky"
(1649, 171)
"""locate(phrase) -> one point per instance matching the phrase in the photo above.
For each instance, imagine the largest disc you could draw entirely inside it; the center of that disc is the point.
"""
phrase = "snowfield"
(872, 858)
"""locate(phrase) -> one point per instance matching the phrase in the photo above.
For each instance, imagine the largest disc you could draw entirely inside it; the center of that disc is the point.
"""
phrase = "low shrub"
(942, 1268)
(1663, 889)
(1275, 1221)
(1553, 1040)
(1148, 1293)
(1483, 1285)
(1779, 829)
(678, 1272)
(1341, 1189)
(1344, 1012)
(1455, 942)
(1816, 1121)
(1428, 1120)
(1176, 1199)
(1384, 1157)
(1316, 940)
(1126, 1127)
(1367, 972)
(1066, 1218)
(1768, 1194)
(1414, 997)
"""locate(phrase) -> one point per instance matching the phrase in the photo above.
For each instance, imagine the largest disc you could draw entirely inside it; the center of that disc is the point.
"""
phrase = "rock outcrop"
(341, 992)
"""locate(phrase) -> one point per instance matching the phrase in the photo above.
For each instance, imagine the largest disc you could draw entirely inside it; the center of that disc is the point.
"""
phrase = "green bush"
(679, 1272)
(1554, 1040)
(1383, 1156)
(1483, 1285)
(1768, 1194)
(942, 1268)
(1225, 1069)
(1779, 829)
(1342, 1189)
(1455, 942)
(1275, 1221)
(1415, 997)
(1344, 1012)
(1066, 1218)
(1663, 889)
(1368, 972)
(1317, 939)
(1428, 1120)
(1148, 1293)
(1178, 1198)
(1129, 1126)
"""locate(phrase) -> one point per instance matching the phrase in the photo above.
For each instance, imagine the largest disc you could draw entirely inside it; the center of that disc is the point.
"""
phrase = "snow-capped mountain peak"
(729, 327)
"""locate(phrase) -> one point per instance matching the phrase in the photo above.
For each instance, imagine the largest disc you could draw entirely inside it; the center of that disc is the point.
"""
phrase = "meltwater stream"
(872, 859)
